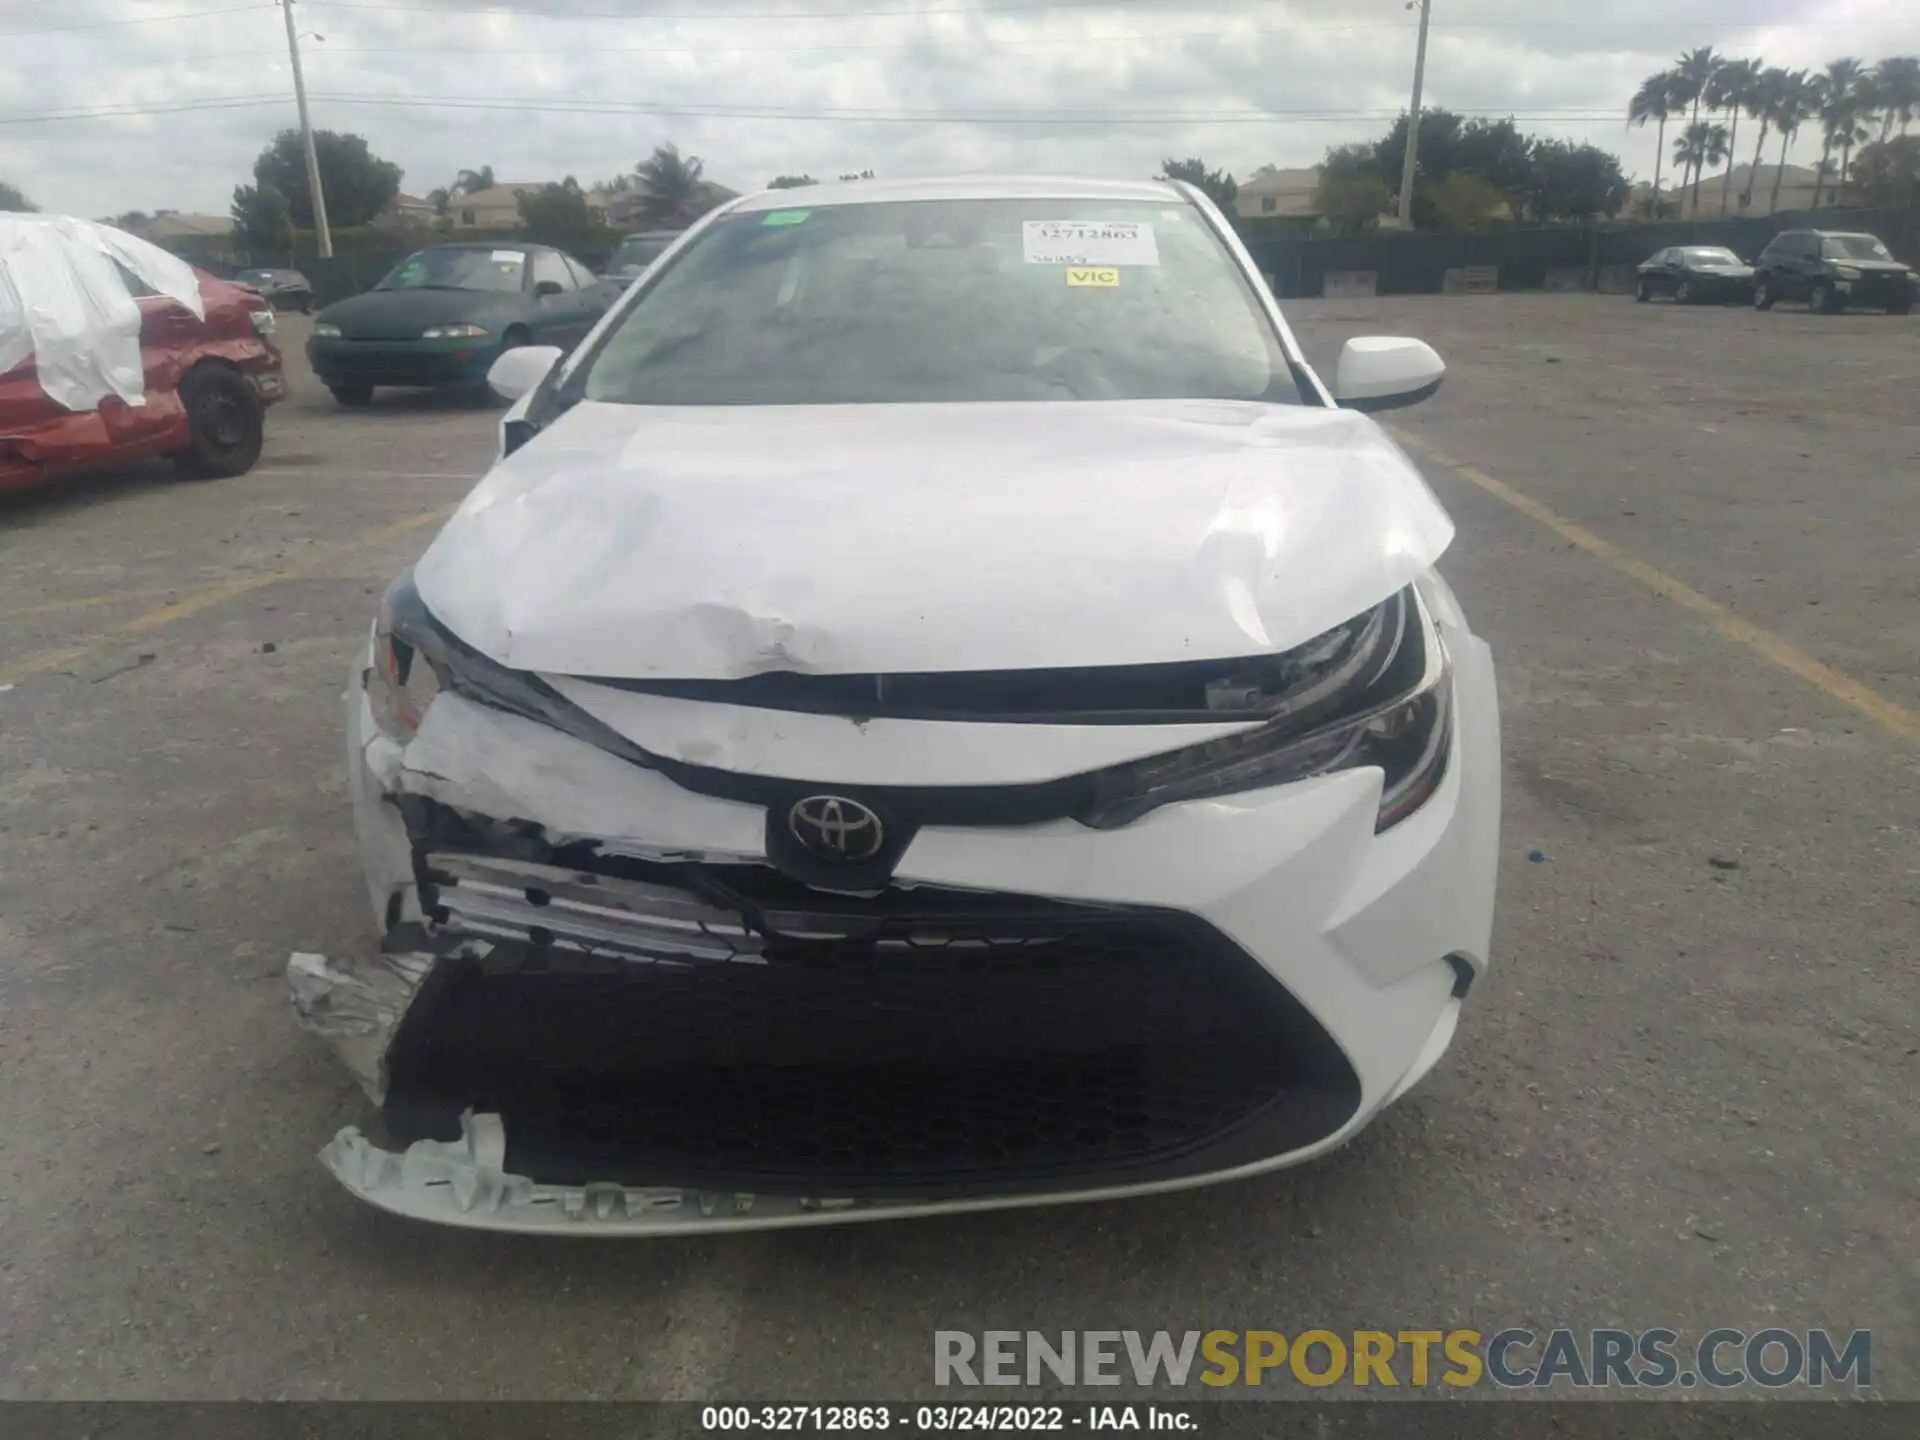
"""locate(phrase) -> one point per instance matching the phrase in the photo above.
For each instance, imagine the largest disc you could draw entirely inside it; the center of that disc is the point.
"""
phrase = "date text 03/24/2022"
(942, 1419)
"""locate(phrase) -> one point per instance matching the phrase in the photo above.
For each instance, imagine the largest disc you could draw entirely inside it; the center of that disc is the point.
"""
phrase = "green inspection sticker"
(786, 217)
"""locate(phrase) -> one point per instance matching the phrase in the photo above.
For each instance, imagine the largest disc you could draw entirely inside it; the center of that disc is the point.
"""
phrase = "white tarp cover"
(64, 303)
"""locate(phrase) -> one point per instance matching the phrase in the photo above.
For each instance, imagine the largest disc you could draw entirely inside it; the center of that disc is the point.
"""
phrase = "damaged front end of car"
(618, 992)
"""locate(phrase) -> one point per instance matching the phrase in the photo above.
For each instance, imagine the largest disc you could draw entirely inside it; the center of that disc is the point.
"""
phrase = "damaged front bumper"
(508, 863)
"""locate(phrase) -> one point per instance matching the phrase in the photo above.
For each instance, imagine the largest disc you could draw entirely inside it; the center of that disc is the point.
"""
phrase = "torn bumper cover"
(603, 1004)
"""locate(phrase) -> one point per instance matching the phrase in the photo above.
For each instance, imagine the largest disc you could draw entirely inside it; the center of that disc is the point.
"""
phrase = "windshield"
(497, 270)
(1712, 255)
(1853, 247)
(634, 254)
(950, 300)
(256, 277)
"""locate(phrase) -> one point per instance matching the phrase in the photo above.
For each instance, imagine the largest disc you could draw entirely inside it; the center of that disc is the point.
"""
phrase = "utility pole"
(1413, 116)
(321, 230)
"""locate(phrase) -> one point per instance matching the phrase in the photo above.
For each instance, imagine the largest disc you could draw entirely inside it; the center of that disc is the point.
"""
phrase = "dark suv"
(1831, 270)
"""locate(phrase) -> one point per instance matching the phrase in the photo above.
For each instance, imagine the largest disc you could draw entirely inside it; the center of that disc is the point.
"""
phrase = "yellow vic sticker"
(1103, 277)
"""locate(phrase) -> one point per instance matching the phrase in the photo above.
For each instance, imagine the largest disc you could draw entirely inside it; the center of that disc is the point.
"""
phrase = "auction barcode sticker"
(1088, 242)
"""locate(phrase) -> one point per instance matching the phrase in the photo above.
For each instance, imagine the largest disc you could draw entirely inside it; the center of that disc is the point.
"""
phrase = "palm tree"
(1692, 73)
(1654, 100)
(1798, 99)
(1843, 96)
(672, 182)
(1896, 92)
(1702, 144)
(472, 180)
(1733, 88)
(1763, 104)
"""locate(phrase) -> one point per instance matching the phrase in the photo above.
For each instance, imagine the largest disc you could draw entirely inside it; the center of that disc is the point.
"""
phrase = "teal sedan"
(443, 316)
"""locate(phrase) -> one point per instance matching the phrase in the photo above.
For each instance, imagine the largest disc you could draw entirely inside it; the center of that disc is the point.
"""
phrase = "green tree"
(790, 182)
(1351, 202)
(470, 181)
(1796, 102)
(1466, 201)
(1217, 185)
(358, 183)
(12, 197)
(1843, 91)
(674, 186)
(860, 175)
(1657, 99)
(1896, 93)
(1576, 182)
(1763, 103)
(1887, 172)
(262, 221)
(1692, 73)
(1733, 88)
(557, 214)
(1701, 144)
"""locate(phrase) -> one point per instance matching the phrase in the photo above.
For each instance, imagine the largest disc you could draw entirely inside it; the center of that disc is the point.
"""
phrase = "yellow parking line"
(1854, 694)
(86, 602)
(196, 601)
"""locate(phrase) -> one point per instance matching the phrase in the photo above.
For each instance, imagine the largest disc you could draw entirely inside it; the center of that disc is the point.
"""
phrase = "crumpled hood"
(717, 542)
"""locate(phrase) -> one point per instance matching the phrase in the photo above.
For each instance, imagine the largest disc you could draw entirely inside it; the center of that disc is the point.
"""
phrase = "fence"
(1569, 257)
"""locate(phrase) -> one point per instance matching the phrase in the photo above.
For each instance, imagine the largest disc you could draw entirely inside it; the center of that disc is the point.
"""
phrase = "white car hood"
(717, 542)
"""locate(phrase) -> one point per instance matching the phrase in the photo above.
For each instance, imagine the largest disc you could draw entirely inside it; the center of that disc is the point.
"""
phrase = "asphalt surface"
(1685, 1097)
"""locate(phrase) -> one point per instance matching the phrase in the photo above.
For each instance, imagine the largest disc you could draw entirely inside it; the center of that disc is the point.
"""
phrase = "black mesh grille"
(962, 1042)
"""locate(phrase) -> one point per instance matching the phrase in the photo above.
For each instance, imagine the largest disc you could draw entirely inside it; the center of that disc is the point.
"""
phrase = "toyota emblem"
(836, 827)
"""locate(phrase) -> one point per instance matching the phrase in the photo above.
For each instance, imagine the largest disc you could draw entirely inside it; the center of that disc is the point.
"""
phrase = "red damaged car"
(113, 350)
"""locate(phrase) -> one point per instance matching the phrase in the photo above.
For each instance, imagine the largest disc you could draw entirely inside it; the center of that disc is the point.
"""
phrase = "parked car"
(113, 350)
(635, 253)
(1695, 274)
(937, 706)
(443, 315)
(1832, 270)
(287, 289)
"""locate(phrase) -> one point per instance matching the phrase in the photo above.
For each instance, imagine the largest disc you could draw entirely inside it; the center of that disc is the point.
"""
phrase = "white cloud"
(1237, 73)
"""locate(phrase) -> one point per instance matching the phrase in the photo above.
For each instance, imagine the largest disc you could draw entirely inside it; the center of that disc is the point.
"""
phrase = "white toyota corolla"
(937, 706)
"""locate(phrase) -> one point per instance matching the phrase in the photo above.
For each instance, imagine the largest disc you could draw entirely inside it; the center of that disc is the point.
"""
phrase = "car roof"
(965, 187)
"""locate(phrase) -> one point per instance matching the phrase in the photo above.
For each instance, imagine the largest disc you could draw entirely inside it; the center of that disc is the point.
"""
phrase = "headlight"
(454, 332)
(415, 658)
(262, 322)
(324, 331)
(1376, 691)
(401, 683)
(1846, 272)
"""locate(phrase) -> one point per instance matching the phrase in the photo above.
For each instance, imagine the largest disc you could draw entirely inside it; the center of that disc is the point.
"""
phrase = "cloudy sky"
(114, 105)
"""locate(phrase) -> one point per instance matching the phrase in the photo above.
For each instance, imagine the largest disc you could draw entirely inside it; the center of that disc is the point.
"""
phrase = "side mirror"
(543, 288)
(518, 370)
(1384, 372)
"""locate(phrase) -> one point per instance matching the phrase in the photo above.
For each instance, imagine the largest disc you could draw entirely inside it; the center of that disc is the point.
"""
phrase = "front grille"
(719, 1027)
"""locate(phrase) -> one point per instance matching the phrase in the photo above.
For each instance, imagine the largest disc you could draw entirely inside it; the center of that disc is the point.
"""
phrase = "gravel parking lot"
(1685, 1098)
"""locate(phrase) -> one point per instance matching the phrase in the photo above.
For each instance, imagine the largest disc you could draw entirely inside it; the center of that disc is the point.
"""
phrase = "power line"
(149, 20)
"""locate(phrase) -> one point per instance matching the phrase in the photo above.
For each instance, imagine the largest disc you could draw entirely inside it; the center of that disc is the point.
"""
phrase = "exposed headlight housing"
(262, 321)
(415, 658)
(454, 332)
(1375, 691)
(323, 331)
(1847, 272)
